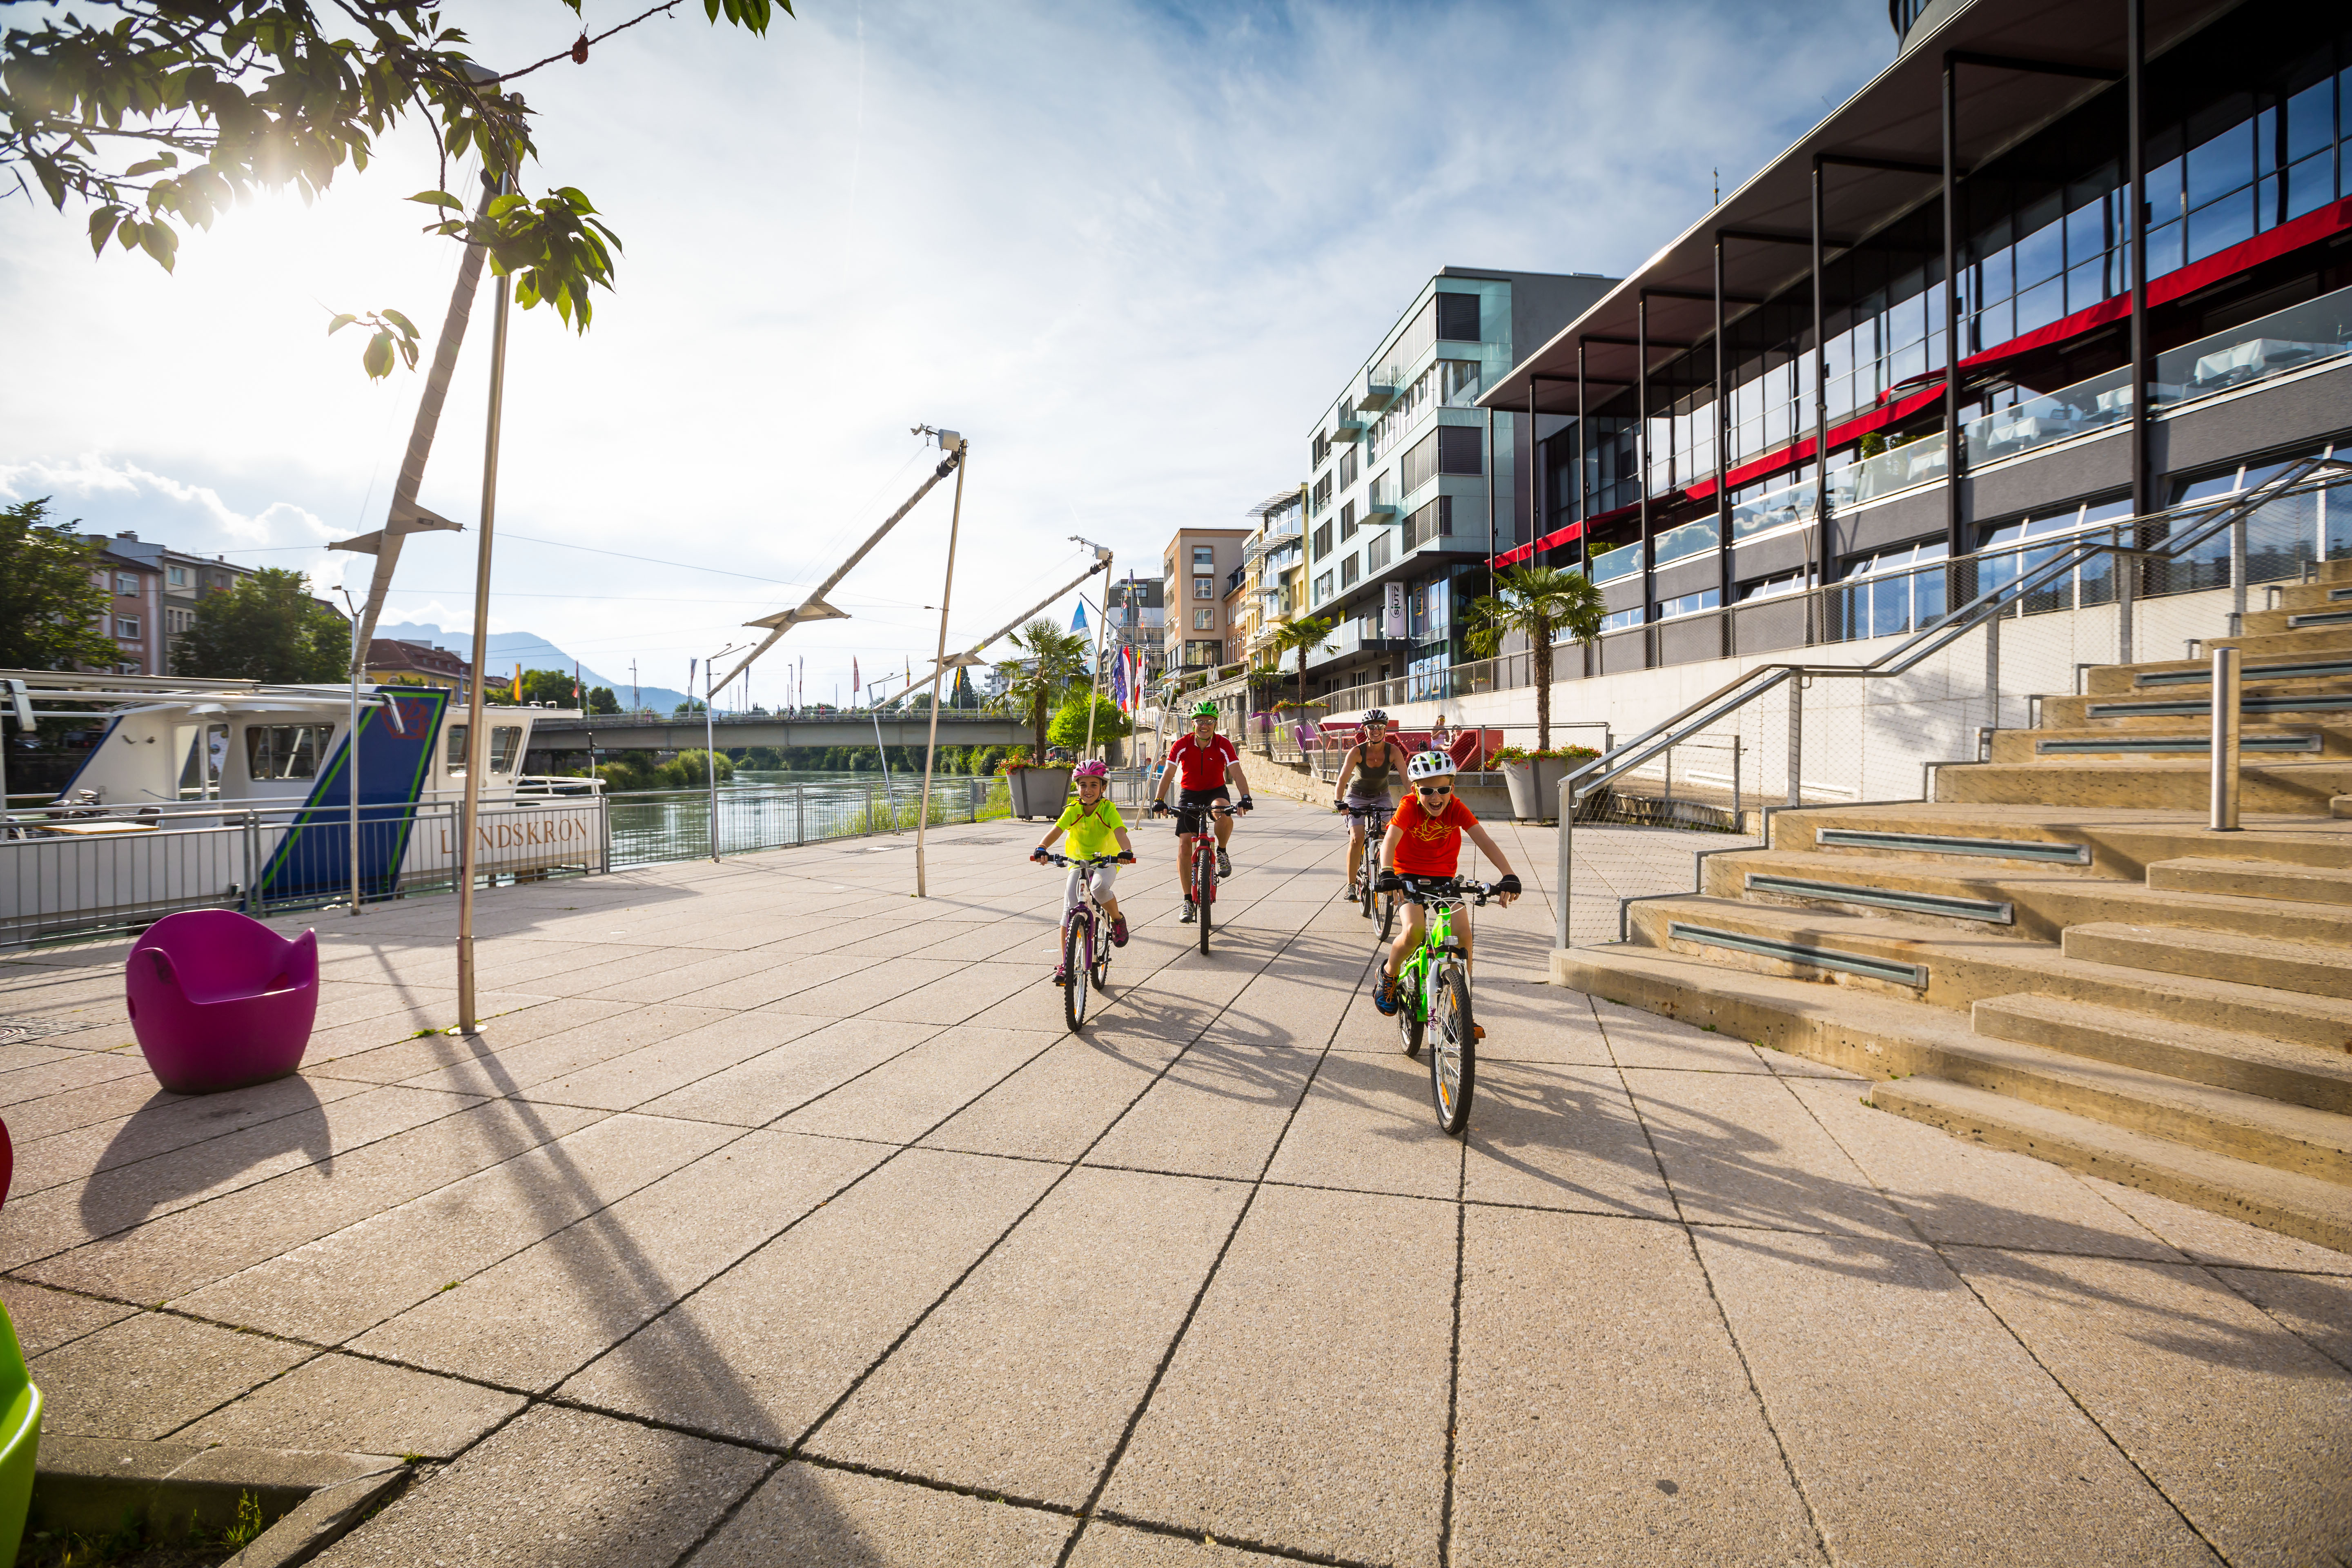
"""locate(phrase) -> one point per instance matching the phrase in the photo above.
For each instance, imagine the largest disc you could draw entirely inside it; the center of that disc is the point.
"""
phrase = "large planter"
(1535, 787)
(1038, 792)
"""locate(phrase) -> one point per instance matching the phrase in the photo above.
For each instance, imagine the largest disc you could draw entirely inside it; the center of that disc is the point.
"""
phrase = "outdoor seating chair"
(219, 1001)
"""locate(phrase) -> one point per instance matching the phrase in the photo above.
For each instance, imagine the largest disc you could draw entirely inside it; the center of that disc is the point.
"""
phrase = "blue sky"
(1131, 249)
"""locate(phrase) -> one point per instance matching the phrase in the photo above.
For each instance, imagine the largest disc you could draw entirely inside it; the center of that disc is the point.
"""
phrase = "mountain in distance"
(533, 652)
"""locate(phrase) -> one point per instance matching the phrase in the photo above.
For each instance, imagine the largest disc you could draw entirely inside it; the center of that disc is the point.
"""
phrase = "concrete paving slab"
(345, 1283)
(1534, 1021)
(408, 1058)
(1098, 1279)
(81, 1070)
(909, 1095)
(45, 1319)
(1547, 1136)
(1299, 1408)
(536, 1317)
(1060, 1102)
(1956, 1447)
(623, 1082)
(149, 1376)
(1218, 1112)
(341, 1404)
(162, 1124)
(1367, 1125)
(1107, 1546)
(757, 979)
(2208, 1237)
(181, 1251)
(813, 1517)
(2246, 1429)
(507, 1068)
(561, 1488)
(760, 1352)
(1968, 1194)
(755, 1092)
(1590, 1348)
(866, 987)
(1639, 1039)
(1741, 1148)
(2318, 1307)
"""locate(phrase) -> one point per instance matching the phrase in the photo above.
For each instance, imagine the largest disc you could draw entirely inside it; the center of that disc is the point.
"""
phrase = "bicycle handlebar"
(1449, 886)
(1052, 859)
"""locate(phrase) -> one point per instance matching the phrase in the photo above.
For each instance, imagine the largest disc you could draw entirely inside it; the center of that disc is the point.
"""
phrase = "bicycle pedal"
(1478, 1031)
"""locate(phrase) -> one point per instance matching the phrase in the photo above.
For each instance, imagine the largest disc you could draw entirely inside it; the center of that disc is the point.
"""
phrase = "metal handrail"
(1935, 636)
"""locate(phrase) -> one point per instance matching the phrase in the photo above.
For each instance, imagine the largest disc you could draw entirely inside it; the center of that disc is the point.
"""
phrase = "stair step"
(2226, 1058)
(2126, 743)
(2270, 785)
(2304, 669)
(2293, 1205)
(2253, 880)
(1952, 968)
(2029, 901)
(2202, 707)
(2033, 850)
(2309, 620)
(2266, 646)
(2304, 967)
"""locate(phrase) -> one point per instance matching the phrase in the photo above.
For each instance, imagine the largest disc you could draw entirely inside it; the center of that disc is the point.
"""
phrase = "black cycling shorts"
(1193, 808)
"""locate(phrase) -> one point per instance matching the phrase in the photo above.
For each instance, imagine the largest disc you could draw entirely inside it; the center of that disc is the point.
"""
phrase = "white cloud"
(1130, 250)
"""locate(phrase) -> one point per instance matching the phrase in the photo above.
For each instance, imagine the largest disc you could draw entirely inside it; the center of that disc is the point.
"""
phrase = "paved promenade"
(775, 1218)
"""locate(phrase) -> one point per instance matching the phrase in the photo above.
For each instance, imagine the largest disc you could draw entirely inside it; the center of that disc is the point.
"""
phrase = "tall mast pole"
(478, 743)
(931, 745)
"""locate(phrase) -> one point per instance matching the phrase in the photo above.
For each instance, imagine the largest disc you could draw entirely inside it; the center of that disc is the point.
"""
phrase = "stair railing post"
(1796, 684)
(2127, 580)
(1993, 670)
(1562, 872)
(1737, 821)
(2225, 740)
(2238, 575)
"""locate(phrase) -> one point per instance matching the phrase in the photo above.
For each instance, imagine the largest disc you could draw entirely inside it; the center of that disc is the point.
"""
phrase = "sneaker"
(1191, 913)
(1354, 896)
(1118, 932)
(1384, 994)
(1060, 976)
(1224, 864)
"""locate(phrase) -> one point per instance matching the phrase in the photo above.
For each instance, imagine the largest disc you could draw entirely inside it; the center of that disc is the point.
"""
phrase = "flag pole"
(931, 745)
(1094, 695)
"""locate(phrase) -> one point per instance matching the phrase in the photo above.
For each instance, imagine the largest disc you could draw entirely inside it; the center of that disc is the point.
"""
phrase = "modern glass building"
(1413, 488)
(2058, 265)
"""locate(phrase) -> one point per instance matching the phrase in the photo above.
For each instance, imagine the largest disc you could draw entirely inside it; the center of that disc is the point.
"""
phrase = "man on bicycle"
(1363, 785)
(1202, 763)
(1095, 829)
(1425, 843)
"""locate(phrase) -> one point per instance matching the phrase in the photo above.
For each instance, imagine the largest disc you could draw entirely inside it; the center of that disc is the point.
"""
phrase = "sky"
(1131, 251)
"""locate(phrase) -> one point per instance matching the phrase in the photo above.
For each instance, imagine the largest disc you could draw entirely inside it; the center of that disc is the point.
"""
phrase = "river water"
(765, 809)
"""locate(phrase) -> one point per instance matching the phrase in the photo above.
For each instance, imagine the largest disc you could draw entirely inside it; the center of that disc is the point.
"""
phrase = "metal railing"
(2179, 538)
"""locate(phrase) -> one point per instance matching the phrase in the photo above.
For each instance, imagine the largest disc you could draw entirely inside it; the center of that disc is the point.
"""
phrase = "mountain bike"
(1434, 996)
(1086, 941)
(1374, 824)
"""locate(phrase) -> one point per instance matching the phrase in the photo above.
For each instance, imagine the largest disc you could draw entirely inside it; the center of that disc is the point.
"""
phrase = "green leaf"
(152, 165)
(376, 359)
(158, 241)
(438, 199)
(101, 226)
(339, 323)
(403, 322)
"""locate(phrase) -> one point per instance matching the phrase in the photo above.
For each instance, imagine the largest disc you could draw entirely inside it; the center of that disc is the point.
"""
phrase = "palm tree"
(1303, 635)
(1538, 603)
(1053, 661)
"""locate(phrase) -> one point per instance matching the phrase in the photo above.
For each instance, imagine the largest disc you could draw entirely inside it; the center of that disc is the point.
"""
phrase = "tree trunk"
(1037, 724)
(1542, 649)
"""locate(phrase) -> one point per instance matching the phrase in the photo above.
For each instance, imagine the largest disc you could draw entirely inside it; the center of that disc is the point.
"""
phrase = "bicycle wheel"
(1102, 954)
(1364, 883)
(1409, 1023)
(1454, 1049)
(1204, 885)
(1074, 968)
(1388, 913)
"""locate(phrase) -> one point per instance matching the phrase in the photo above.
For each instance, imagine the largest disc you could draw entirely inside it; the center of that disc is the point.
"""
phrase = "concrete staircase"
(2058, 956)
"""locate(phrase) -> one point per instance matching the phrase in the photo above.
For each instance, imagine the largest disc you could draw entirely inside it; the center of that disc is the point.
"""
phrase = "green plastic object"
(20, 1438)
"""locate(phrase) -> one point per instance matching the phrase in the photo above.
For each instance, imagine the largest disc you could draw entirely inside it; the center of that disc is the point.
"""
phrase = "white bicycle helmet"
(1429, 765)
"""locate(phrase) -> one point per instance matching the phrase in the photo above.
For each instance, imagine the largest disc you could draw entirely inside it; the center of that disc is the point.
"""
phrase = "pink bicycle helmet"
(1092, 771)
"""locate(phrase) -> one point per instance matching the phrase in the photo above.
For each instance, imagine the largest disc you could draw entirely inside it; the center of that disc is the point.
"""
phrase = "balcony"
(1380, 389)
(1344, 428)
(1381, 501)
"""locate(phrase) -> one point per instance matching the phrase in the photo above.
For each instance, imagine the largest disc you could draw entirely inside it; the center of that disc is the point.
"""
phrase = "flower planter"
(1534, 784)
(1038, 792)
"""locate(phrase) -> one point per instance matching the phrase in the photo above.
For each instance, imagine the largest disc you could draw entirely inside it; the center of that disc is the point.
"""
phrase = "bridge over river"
(620, 733)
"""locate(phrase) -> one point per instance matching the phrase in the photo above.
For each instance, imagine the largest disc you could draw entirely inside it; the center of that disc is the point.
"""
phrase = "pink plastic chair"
(219, 1001)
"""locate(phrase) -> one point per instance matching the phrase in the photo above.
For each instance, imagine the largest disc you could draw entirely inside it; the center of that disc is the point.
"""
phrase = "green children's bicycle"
(1432, 993)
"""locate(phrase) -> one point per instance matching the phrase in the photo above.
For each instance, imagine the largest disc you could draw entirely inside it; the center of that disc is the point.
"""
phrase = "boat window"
(504, 742)
(285, 750)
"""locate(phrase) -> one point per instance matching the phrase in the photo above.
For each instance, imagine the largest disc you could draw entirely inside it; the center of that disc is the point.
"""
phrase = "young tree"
(267, 627)
(1068, 730)
(1303, 635)
(1538, 603)
(602, 701)
(1034, 684)
(158, 114)
(51, 606)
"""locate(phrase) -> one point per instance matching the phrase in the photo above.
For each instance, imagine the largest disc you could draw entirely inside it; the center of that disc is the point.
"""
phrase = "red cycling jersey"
(1431, 845)
(1202, 766)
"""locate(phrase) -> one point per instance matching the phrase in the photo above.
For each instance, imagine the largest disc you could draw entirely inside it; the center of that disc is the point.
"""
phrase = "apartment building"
(1273, 587)
(393, 661)
(1415, 488)
(1823, 412)
(1137, 621)
(1199, 561)
(182, 580)
(133, 616)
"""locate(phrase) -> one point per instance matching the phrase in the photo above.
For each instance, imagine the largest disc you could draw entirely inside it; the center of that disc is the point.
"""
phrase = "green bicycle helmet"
(1205, 711)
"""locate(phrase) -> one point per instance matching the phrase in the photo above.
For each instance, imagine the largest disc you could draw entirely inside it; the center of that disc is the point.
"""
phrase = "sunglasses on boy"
(1433, 789)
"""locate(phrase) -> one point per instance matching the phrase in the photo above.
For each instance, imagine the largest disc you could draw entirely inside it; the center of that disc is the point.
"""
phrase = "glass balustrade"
(1904, 467)
(1690, 539)
(1792, 503)
(2273, 345)
(2077, 410)
(1621, 562)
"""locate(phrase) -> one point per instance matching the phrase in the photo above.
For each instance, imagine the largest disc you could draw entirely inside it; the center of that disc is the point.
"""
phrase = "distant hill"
(533, 652)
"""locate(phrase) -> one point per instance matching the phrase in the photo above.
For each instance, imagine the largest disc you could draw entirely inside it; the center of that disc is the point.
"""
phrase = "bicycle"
(1373, 824)
(1434, 988)
(1086, 941)
(1190, 822)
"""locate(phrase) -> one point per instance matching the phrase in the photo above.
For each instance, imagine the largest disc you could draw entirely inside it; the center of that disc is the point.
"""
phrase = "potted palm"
(1037, 789)
(1050, 662)
(1540, 603)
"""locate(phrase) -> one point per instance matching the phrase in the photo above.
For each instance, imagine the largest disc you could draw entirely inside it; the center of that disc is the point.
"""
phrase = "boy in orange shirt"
(1424, 841)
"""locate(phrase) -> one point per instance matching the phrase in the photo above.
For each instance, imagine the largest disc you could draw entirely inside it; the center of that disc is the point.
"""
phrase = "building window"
(1322, 494)
(126, 584)
(1204, 588)
(1204, 619)
(1621, 619)
(1318, 449)
(1205, 558)
(127, 627)
(1691, 603)
(1322, 541)
(1458, 317)
(1376, 553)
(1348, 521)
(1348, 468)
(177, 576)
(1434, 521)
(1448, 449)
(1349, 573)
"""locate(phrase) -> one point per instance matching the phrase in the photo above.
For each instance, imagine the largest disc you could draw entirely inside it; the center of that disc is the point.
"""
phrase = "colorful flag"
(856, 685)
(1118, 681)
(1078, 621)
